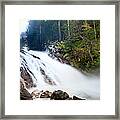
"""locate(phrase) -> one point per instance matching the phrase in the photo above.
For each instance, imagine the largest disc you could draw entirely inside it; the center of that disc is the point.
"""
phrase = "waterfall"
(50, 74)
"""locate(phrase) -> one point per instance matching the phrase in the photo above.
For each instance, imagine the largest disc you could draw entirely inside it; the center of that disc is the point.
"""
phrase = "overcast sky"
(23, 25)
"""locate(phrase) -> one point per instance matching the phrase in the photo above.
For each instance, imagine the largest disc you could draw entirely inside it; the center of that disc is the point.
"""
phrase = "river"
(50, 74)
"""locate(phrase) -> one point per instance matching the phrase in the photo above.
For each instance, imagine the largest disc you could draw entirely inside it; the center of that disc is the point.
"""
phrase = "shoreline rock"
(55, 95)
(59, 95)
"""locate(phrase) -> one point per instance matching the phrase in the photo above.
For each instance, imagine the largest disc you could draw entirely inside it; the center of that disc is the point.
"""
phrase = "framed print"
(60, 59)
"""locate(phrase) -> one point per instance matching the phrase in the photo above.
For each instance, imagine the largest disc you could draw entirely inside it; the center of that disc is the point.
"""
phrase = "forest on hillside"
(74, 42)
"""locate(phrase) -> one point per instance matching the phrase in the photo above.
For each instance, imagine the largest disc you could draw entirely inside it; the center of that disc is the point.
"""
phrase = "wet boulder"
(46, 94)
(70, 98)
(59, 95)
(77, 98)
(36, 94)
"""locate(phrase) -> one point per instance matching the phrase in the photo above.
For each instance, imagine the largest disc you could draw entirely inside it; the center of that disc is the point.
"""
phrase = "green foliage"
(75, 42)
(82, 48)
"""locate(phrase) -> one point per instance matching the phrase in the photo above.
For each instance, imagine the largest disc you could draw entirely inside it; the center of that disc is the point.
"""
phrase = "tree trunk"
(94, 29)
(68, 24)
(59, 30)
(40, 29)
(90, 55)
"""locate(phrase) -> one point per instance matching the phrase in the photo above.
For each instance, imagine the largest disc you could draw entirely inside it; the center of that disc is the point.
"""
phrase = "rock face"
(27, 78)
(24, 94)
(59, 95)
(47, 79)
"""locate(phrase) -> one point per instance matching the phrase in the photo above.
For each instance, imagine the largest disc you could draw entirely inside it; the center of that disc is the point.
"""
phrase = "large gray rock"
(59, 95)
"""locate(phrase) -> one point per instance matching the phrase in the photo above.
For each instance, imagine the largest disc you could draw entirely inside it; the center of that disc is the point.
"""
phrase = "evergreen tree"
(75, 42)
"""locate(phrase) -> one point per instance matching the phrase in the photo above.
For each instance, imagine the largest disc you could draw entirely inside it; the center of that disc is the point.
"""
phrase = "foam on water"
(64, 76)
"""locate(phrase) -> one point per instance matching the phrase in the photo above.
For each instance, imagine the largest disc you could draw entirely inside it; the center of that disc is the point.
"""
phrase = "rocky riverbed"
(42, 77)
(36, 94)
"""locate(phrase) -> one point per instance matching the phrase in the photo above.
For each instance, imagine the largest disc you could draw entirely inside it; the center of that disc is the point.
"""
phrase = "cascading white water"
(61, 76)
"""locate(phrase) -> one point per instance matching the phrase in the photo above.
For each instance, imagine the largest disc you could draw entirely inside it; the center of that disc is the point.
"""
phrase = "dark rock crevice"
(26, 77)
(47, 79)
(24, 94)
